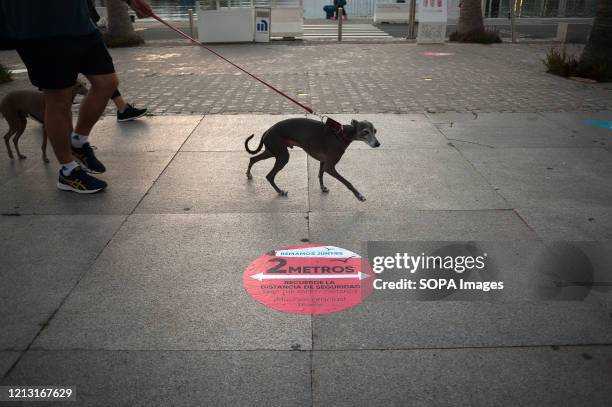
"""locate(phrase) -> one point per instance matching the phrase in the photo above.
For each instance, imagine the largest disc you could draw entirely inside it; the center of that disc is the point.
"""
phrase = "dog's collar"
(338, 130)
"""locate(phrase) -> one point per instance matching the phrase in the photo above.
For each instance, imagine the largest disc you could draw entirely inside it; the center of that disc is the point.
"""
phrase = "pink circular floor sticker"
(309, 279)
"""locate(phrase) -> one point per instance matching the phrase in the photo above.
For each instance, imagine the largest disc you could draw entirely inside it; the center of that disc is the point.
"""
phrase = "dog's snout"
(377, 144)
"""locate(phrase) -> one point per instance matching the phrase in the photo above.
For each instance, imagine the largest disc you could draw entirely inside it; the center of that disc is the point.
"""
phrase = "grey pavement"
(135, 295)
(346, 78)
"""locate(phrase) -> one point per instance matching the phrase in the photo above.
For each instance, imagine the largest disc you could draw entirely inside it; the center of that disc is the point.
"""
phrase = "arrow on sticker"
(262, 276)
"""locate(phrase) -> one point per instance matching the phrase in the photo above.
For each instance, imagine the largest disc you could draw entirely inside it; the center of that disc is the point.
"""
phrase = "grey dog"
(318, 139)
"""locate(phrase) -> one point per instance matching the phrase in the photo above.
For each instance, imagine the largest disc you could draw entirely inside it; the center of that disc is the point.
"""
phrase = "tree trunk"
(597, 54)
(470, 18)
(119, 23)
(120, 29)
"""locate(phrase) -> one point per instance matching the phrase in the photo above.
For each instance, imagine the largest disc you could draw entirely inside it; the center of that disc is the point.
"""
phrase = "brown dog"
(18, 105)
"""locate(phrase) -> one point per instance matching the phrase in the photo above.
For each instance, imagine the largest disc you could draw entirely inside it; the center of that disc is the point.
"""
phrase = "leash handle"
(308, 109)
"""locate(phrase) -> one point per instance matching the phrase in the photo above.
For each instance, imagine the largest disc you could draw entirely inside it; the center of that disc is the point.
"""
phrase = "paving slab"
(175, 282)
(20, 328)
(6, 361)
(575, 122)
(207, 182)
(408, 324)
(35, 274)
(427, 178)
(12, 169)
(439, 118)
(524, 313)
(147, 134)
(530, 270)
(29, 145)
(571, 376)
(546, 177)
(569, 224)
(129, 175)
(172, 378)
(488, 119)
(351, 230)
(528, 135)
(228, 132)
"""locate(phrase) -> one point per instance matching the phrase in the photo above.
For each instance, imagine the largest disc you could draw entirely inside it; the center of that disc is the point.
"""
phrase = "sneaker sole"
(65, 187)
(132, 118)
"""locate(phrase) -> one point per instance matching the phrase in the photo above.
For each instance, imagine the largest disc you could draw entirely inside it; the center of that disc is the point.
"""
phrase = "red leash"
(308, 109)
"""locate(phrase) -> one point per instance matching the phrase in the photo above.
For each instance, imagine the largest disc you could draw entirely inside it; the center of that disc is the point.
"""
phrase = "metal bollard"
(512, 20)
(411, 20)
(190, 11)
(340, 14)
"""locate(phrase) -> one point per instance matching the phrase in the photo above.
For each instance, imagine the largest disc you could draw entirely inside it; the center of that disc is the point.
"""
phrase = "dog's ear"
(354, 123)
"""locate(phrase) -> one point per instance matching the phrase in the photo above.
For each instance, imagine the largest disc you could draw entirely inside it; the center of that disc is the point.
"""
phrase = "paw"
(283, 193)
(361, 197)
(324, 189)
(45, 160)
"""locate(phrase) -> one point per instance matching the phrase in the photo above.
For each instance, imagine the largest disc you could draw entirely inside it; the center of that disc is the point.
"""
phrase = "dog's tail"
(246, 145)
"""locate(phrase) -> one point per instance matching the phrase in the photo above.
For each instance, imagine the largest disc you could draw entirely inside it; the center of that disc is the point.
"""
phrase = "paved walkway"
(360, 78)
(135, 295)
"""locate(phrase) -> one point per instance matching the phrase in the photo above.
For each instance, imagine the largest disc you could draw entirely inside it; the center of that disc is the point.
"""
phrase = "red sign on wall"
(309, 279)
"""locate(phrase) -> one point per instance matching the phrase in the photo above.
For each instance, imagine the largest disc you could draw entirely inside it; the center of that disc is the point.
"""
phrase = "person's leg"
(51, 67)
(125, 111)
(96, 64)
(118, 101)
(58, 122)
(58, 126)
(94, 103)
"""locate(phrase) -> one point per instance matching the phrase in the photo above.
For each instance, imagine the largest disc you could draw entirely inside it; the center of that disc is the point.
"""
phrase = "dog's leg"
(321, 171)
(281, 160)
(44, 146)
(331, 170)
(7, 137)
(253, 160)
(20, 129)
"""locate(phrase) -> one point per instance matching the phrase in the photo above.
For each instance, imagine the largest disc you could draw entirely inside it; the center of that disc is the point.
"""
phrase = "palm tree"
(120, 29)
(470, 18)
(597, 54)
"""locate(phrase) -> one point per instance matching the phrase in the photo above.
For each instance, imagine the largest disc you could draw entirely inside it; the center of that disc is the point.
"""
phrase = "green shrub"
(558, 63)
(113, 41)
(479, 37)
(5, 74)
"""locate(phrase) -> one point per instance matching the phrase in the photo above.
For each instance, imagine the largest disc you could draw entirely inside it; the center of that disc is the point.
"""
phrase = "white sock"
(78, 139)
(68, 167)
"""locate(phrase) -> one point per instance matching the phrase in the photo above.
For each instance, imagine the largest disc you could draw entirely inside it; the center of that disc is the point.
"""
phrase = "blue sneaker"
(80, 182)
(87, 159)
